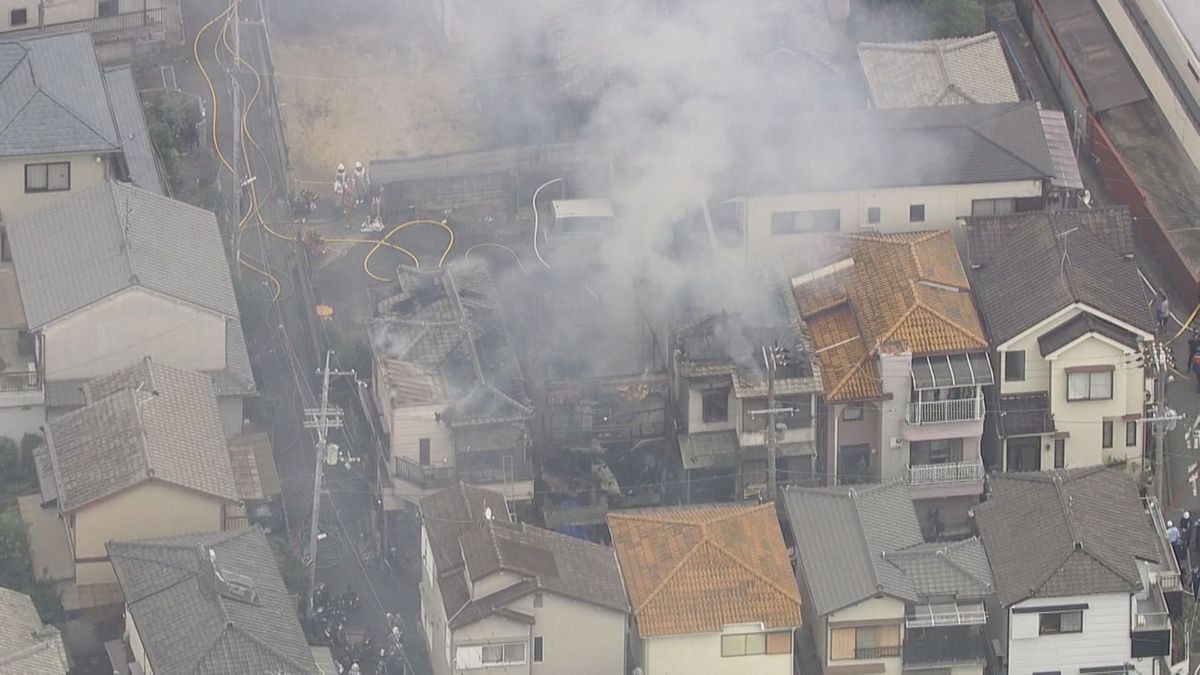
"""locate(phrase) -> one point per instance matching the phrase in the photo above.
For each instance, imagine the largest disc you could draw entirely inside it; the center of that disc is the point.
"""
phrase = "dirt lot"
(370, 85)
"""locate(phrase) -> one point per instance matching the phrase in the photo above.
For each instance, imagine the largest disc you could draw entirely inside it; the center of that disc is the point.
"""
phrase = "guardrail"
(940, 412)
(20, 381)
(951, 472)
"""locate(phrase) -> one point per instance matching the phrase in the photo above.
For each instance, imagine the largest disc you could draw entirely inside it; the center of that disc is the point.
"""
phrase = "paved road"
(283, 355)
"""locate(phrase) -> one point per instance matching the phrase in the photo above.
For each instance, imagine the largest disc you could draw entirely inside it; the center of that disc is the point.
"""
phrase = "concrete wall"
(1147, 67)
(124, 328)
(943, 205)
(882, 610)
(15, 202)
(693, 403)
(701, 655)
(127, 516)
(135, 644)
(1080, 420)
(1103, 642)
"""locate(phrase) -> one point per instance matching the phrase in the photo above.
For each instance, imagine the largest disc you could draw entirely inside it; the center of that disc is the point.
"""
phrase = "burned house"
(720, 380)
(603, 446)
(448, 386)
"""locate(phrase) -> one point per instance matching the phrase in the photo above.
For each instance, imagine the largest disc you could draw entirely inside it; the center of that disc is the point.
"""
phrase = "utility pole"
(322, 419)
(1159, 359)
(774, 358)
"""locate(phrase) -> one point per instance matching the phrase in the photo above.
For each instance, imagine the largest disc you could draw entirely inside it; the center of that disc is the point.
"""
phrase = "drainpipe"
(837, 416)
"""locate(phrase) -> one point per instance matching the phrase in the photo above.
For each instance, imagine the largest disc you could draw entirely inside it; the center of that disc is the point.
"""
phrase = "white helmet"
(341, 167)
(358, 165)
(1187, 514)
(1170, 524)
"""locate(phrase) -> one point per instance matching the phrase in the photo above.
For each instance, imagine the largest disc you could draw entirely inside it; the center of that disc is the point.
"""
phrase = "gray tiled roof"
(1080, 325)
(187, 616)
(450, 513)
(113, 236)
(903, 147)
(1091, 530)
(52, 97)
(131, 127)
(842, 538)
(145, 422)
(937, 72)
(559, 563)
(26, 644)
(1029, 266)
(958, 569)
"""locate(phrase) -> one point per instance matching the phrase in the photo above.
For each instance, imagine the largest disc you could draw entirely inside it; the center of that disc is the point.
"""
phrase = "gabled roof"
(26, 644)
(908, 288)
(854, 544)
(1028, 266)
(441, 340)
(937, 72)
(547, 560)
(450, 513)
(1083, 324)
(696, 569)
(52, 97)
(112, 236)
(906, 147)
(147, 422)
(221, 612)
(1091, 530)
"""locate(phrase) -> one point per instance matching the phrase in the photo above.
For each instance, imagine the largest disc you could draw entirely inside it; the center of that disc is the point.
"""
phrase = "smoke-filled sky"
(682, 93)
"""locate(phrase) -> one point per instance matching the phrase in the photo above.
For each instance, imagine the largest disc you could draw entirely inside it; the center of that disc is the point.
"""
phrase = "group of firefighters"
(355, 190)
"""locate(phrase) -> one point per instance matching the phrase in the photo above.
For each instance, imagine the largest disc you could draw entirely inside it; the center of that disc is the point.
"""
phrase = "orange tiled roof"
(697, 569)
(908, 287)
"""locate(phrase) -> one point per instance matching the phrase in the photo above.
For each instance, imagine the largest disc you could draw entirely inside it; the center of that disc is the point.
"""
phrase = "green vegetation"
(295, 576)
(904, 20)
(174, 120)
(19, 477)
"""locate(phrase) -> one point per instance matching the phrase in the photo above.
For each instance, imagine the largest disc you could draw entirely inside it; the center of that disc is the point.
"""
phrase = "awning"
(709, 449)
(952, 370)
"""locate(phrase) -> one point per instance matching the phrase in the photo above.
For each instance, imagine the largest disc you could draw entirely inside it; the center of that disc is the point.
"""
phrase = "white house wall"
(881, 610)
(120, 330)
(135, 644)
(1103, 642)
(15, 202)
(701, 655)
(1082, 419)
(411, 424)
(944, 204)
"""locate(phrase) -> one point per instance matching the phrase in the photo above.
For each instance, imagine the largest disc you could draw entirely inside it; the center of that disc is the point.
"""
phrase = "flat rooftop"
(583, 208)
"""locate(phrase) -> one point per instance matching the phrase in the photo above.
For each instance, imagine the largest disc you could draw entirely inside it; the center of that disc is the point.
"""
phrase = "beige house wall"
(86, 170)
(130, 515)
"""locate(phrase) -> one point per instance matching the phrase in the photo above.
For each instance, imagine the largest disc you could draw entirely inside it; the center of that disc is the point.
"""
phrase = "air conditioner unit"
(896, 441)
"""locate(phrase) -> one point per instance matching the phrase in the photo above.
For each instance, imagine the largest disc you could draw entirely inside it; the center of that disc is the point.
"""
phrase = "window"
(916, 213)
(1106, 434)
(54, 177)
(537, 650)
(852, 412)
(797, 222)
(1014, 366)
(1131, 435)
(1023, 454)
(1060, 453)
(107, 8)
(993, 207)
(864, 642)
(423, 451)
(511, 653)
(939, 451)
(873, 214)
(715, 406)
(18, 17)
(753, 644)
(1056, 623)
(1089, 385)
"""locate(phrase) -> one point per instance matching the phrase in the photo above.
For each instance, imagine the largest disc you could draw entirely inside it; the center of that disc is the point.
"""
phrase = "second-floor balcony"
(433, 476)
(105, 28)
(948, 650)
(945, 411)
(949, 472)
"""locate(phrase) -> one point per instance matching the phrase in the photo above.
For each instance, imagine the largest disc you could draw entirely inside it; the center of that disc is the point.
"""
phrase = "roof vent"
(240, 587)
(1078, 545)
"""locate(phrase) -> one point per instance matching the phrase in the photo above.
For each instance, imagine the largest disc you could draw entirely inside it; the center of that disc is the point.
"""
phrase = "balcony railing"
(927, 616)
(147, 18)
(950, 472)
(430, 477)
(19, 381)
(940, 412)
(943, 650)
(876, 652)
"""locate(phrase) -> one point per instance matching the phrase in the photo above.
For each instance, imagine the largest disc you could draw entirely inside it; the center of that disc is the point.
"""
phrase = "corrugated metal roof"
(1099, 61)
(131, 127)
